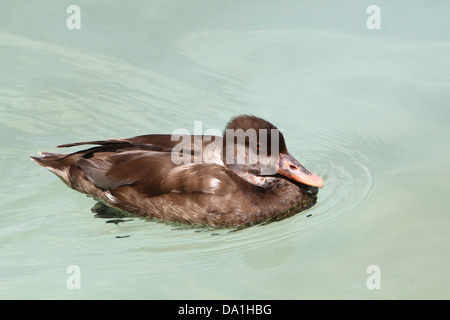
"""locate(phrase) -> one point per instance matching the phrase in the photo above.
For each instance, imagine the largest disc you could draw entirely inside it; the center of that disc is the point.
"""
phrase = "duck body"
(141, 175)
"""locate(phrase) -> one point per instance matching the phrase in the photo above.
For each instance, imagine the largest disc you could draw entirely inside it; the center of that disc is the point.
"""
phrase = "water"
(365, 109)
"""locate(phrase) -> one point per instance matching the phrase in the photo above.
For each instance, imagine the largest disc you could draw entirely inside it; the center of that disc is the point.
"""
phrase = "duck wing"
(145, 163)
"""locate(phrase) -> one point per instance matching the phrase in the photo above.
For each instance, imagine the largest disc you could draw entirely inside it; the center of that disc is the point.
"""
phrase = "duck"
(244, 177)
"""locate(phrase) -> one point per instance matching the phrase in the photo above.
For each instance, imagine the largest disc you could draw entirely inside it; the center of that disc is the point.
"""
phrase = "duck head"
(255, 149)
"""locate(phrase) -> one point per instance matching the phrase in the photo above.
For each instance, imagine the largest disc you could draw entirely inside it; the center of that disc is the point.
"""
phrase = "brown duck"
(204, 183)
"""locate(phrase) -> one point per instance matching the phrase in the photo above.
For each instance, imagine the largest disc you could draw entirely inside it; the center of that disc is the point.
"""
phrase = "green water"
(368, 110)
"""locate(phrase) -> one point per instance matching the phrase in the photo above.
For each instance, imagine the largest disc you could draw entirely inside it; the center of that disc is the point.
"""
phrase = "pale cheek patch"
(255, 180)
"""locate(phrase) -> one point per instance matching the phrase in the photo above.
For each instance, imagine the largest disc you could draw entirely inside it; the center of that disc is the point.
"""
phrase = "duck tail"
(55, 163)
(47, 158)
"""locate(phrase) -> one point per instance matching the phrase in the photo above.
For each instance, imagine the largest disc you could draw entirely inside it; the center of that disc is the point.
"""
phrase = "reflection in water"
(104, 211)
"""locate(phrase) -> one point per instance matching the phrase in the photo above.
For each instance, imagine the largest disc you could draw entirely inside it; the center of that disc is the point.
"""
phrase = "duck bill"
(289, 167)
